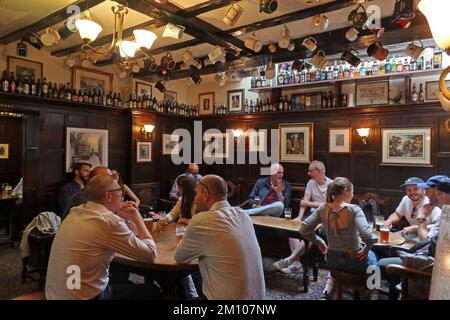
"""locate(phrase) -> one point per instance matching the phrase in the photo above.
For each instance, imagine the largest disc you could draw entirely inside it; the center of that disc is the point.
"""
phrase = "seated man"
(223, 239)
(192, 169)
(315, 196)
(87, 241)
(81, 171)
(409, 208)
(270, 195)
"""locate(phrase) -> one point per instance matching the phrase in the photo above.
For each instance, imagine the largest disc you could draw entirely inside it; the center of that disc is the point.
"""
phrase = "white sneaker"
(280, 264)
(295, 267)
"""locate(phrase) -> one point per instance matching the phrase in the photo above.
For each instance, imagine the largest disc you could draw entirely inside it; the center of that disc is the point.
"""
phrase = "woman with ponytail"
(344, 224)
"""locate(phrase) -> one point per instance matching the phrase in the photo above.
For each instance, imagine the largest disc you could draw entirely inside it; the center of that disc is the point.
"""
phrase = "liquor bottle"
(335, 71)
(50, 90)
(33, 87)
(101, 98)
(330, 100)
(80, 96)
(12, 83)
(253, 82)
(437, 59)
(382, 67)
(341, 72)
(280, 104)
(307, 76)
(44, 91)
(375, 68)
(85, 96)
(324, 100)
(74, 96)
(115, 100)
(95, 97)
(393, 65)
(330, 73)
(130, 102)
(421, 93)
(68, 92)
(412, 65)
(62, 91)
(344, 100)
(387, 67)
(406, 65)
(119, 101)
(414, 95)
(26, 85)
(246, 106)
(399, 66)
(369, 69)
(138, 102)
(280, 75)
(19, 85)
(39, 88)
(55, 92)
(5, 82)
(429, 63)
(420, 63)
(318, 74)
(285, 103)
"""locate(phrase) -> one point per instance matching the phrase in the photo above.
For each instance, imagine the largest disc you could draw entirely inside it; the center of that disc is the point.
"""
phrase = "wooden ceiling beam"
(332, 43)
(48, 21)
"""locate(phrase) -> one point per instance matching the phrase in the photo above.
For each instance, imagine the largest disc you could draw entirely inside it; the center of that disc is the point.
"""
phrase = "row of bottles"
(342, 70)
(146, 102)
(418, 96)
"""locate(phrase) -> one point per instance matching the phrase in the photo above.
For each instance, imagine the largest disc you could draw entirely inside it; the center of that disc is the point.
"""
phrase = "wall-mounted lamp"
(363, 133)
(238, 133)
(147, 130)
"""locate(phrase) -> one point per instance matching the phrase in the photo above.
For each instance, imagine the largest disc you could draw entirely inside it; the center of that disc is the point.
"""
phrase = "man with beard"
(223, 240)
(409, 208)
(81, 171)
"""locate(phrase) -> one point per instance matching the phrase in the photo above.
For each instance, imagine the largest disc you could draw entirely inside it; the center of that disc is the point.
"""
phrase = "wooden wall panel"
(11, 133)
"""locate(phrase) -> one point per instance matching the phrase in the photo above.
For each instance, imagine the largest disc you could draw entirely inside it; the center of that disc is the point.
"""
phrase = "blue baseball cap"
(411, 181)
(439, 182)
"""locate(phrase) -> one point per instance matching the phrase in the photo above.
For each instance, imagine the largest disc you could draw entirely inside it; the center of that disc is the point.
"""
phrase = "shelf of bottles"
(341, 71)
(26, 86)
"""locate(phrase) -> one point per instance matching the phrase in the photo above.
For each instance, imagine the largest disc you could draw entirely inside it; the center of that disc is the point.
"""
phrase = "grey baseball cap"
(411, 180)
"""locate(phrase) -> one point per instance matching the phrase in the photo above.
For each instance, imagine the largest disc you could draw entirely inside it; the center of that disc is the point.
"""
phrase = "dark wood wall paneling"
(11, 133)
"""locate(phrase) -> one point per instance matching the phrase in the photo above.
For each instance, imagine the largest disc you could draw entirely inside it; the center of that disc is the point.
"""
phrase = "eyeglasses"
(206, 187)
(114, 190)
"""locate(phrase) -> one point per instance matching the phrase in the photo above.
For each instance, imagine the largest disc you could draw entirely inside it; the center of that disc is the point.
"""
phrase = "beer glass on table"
(180, 230)
(384, 234)
(288, 214)
(379, 221)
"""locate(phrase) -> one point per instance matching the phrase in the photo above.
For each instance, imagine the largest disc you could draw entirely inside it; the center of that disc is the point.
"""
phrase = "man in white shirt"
(87, 241)
(315, 195)
(223, 240)
(409, 208)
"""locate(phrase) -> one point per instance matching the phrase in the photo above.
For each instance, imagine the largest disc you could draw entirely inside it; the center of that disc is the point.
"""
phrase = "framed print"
(206, 103)
(22, 67)
(170, 96)
(170, 144)
(143, 89)
(257, 140)
(216, 145)
(296, 142)
(431, 88)
(4, 151)
(86, 145)
(340, 140)
(372, 93)
(410, 146)
(236, 100)
(88, 79)
(144, 151)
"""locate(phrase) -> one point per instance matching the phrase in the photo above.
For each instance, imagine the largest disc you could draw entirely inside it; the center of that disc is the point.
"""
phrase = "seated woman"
(128, 194)
(344, 224)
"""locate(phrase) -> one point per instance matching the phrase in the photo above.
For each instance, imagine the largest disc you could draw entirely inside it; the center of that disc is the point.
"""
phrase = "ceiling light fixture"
(89, 31)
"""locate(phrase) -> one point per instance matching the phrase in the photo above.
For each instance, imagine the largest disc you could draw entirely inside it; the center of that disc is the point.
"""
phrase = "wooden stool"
(356, 282)
(31, 296)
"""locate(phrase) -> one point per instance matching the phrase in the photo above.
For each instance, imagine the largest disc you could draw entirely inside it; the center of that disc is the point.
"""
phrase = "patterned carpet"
(278, 285)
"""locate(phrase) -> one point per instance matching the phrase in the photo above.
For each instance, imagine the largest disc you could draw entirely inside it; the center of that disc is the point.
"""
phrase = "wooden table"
(290, 227)
(165, 269)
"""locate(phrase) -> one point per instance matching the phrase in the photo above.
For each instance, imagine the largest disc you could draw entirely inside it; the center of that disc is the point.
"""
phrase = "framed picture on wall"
(408, 146)
(340, 140)
(236, 100)
(170, 96)
(170, 144)
(143, 89)
(206, 103)
(296, 142)
(86, 145)
(4, 151)
(431, 88)
(372, 93)
(23, 67)
(89, 79)
(144, 151)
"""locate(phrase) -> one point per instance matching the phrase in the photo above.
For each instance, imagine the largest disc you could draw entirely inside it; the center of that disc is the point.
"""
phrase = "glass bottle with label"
(437, 59)
(414, 94)
(421, 93)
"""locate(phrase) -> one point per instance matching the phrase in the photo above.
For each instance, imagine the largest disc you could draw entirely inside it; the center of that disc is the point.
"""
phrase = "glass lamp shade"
(363, 132)
(88, 29)
(128, 49)
(237, 133)
(144, 38)
(436, 12)
(148, 128)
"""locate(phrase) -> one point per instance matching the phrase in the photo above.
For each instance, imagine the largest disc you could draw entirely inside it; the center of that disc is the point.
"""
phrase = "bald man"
(270, 195)
(192, 170)
(223, 240)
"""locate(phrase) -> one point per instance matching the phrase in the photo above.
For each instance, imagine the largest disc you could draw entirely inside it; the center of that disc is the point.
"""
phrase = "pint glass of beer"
(384, 234)
(180, 231)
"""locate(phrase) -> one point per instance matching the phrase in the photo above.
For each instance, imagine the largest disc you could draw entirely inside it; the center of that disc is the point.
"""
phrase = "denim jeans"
(342, 261)
(274, 209)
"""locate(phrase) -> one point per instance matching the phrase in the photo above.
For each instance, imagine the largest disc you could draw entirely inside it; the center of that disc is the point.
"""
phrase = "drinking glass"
(379, 221)
(162, 216)
(257, 200)
(288, 213)
(180, 230)
(384, 234)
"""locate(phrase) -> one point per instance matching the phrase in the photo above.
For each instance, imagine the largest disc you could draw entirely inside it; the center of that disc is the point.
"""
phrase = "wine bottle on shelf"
(26, 85)
(414, 94)
(13, 83)
(421, 93)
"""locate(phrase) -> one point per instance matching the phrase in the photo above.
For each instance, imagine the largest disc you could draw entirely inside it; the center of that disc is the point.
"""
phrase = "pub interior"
(231, 150)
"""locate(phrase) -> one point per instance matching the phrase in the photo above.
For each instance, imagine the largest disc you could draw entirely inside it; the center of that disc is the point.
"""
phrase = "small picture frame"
(4, 151)
(170, 96)
(85, 79)
(170, 144)
(296, 142)
(372, 93)
(431, 88)
(206, 103)
(142, 89)
(236, 101)
(406, 146)
(144, 151)
(22, 67)
(340, 140)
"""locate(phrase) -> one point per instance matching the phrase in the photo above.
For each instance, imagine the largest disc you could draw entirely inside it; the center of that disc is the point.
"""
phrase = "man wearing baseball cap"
(437, 189)
(409, 208)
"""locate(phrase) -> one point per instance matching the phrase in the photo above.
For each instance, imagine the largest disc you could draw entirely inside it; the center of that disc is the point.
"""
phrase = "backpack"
(370, 209)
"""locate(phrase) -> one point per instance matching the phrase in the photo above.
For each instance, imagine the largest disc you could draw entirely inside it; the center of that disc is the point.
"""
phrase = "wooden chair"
(355, 282)
(415, 284)
(381, 203)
